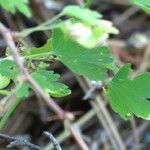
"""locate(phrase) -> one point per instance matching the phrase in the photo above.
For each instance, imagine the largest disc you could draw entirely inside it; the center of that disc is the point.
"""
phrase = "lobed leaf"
(48, 81)
(128, 97)
(92, 63)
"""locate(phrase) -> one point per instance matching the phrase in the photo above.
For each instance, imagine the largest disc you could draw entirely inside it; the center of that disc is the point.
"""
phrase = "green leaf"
(88, 3)
(83, 14)
(143, 4)
(13, 5)
(42, 65)
(38, 52)
(23, 90)
(4, 81)
(48, 81)
(92, 63)
(128, 97)
(9, 68)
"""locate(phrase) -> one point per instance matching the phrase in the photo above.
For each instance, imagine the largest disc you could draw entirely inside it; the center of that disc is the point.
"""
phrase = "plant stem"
(5, 92)
(28, 31)
(42, 27)
(88, 3)
(9, 112)
(13, 142)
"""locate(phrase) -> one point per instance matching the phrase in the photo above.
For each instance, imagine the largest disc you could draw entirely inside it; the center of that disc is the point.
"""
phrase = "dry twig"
(53, 140)
(18, 141)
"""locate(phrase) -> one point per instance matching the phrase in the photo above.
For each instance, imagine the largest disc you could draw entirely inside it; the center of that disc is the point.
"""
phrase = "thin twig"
(145, 63)
(135, 133)
(79, 123)
(53, 140)
(140, 130)
(125, 15)
(78, 138)
(103, 116)
(19, 141)
(7, 34)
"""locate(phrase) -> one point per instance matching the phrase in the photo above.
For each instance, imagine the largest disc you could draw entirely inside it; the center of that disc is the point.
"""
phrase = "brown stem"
(78, 138)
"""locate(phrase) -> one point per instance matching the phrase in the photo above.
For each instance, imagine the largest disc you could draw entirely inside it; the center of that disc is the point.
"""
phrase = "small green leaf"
(23, 91)
(13, 5)
(4, 81)
(143, 4)
(42, 66)
(9, 68)
(83, 14)
(92, 63)
(128, 97)
(48, 81)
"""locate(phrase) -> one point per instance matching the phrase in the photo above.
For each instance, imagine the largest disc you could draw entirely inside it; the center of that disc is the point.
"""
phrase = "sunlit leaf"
(49, 82)
(4, 81)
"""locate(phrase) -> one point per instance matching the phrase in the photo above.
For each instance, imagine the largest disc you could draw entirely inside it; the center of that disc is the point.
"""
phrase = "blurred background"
(100, 127)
